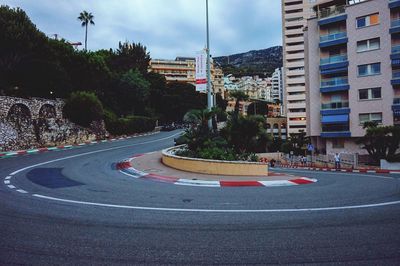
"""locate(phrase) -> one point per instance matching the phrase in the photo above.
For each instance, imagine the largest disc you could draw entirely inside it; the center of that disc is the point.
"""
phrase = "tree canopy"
(33, 65)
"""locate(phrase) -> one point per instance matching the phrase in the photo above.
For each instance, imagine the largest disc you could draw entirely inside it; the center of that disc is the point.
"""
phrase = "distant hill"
(257, 62)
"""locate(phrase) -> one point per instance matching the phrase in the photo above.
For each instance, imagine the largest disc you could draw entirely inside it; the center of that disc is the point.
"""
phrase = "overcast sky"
(168, 28)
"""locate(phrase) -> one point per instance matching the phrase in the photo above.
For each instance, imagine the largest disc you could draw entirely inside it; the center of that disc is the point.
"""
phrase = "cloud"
(168, 28)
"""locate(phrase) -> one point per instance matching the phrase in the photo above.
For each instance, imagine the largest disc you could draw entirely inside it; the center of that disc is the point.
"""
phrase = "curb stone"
(127, 168)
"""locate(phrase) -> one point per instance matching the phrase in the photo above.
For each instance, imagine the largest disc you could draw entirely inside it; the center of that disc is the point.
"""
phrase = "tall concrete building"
(294, 19)
(353, 66)
(278, 88)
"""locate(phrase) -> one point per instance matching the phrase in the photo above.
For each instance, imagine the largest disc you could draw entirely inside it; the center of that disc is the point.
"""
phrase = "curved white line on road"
(216, 211)
(177, 209)
(92, 152)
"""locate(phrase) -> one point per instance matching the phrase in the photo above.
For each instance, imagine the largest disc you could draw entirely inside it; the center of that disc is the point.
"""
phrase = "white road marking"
(92, 152)
(216, 210)
(277, 183)
(6, 182)
(8, 178)
(202, 183)
(22, 191)
(11, 186)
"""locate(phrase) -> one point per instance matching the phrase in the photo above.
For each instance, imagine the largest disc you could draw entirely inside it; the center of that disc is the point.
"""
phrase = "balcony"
(395, 77)
(394, 26)
(395, 55)
(333, 39)
(331, 15)
(336, 130)
(394, 3)
(335, 84)
(396, 107)
(338, 134)
(335, 108)
(334, 64)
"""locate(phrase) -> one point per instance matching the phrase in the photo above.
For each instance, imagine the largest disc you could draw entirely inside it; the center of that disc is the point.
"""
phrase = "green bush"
(128, 125)
(83, 107)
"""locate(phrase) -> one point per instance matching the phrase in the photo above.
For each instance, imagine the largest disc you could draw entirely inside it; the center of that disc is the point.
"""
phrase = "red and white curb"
(126, 168)
(65, 147)
(344, 170)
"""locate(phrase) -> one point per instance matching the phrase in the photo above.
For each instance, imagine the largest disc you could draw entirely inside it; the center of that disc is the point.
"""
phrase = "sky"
(168, 28)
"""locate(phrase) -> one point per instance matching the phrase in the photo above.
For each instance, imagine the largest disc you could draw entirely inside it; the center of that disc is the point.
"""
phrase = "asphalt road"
(79, 210)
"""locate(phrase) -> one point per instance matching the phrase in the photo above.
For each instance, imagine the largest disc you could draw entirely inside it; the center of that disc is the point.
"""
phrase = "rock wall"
(32, 123)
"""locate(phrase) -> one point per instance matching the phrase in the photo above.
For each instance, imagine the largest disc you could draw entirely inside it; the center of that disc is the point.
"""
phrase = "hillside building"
(182, 69)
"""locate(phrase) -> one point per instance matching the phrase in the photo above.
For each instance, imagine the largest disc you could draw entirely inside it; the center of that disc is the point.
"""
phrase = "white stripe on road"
(216, 210)
(92, 152)
(11, 186)
(201, 183)
(6, 182)
(22, 191)
(277, 183)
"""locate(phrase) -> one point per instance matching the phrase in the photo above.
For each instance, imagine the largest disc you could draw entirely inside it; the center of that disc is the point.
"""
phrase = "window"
(372, 117)
(370, 94)
(370, 69)
(368, 45)
(369, 20)
(338, 143)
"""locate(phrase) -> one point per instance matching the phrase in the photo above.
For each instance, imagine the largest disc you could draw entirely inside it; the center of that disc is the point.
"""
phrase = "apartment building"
(352, 70)
(182, 69)
(278, 88)
(294, 19)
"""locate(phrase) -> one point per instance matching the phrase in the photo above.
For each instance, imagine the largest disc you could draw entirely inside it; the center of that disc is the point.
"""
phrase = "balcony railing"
(334, 59)
(396, 101)
(334, 82)
(335, 105)
(395, 49)
(395, 23)
(396, 74)
(331, 11)
(333, 37)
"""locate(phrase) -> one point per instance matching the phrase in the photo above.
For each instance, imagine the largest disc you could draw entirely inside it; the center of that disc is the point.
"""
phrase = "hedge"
(129, 125)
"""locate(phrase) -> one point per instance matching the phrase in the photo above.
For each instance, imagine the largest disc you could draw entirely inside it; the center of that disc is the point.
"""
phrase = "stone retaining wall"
(36, 122)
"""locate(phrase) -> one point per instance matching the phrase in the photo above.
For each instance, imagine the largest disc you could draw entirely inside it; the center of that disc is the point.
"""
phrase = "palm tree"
(86, 18)
(200, 118)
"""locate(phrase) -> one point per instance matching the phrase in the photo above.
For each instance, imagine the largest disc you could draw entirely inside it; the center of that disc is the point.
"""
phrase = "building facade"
(352, 66)
(278, 88)
(294, 15)
(183, 69)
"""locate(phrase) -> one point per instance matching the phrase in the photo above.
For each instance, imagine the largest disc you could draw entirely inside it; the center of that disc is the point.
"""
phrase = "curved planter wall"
(214, 167)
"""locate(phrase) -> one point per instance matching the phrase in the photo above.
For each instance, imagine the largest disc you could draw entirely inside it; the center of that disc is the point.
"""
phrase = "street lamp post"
(209, 88)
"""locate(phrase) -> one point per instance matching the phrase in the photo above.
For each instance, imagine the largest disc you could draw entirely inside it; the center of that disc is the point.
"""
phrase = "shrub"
(83, 107)
(128, 125)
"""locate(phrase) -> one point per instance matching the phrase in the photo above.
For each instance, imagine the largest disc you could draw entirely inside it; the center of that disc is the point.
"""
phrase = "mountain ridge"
(261, 62)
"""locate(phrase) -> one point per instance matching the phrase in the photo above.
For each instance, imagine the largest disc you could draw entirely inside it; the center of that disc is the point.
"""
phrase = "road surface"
(73, 207)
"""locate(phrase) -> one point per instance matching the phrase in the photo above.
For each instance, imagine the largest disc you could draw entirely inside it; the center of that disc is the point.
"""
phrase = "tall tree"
(130, 56)
(86, 18)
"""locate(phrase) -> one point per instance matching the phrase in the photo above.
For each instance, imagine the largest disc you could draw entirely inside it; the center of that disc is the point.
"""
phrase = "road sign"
(310, 147)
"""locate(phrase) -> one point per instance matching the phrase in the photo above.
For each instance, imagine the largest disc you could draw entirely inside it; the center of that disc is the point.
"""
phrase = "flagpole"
(209, 94)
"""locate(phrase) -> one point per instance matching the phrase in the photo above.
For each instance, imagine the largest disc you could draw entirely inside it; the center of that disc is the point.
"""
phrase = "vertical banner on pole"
(201, 71)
